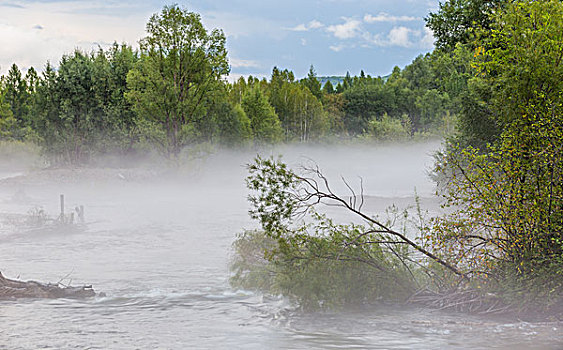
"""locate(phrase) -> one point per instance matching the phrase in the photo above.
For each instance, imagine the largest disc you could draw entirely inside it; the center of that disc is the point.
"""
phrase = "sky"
(336, 36)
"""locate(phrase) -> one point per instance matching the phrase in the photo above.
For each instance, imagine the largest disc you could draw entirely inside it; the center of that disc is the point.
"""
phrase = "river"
(160, 248)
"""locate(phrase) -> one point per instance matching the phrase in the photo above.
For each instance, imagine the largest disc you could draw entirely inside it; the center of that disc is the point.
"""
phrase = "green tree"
(334, 109)
(363, 103)
(339, 88)
(7, 120)
(312, 83)
(45, 110)
(264, 121)
(328, 88)
(432, 106)
(456, 20)
(121, 59)
(233, 125)
(311, 258)
(79, 123)
(308, 117)
(17, 96)
(507, 224)
(180, 64)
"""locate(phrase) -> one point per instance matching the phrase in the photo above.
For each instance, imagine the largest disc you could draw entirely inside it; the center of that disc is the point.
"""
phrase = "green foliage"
(15, 153)
(334, 109)
(172, 93)
(363, 103)
(8, 124)
(79, 110)
(312, 83)
(300, 111)
(432, 106)
(16, 94)
(328, 88)
(506, 227)
(320, 269)
(264, 121)
(71, 113)
(456, 19)
(477, 123)
(180, 64)
(120, 112)
(388, 129)
(231, 124)
(306, 255)
(521, 57)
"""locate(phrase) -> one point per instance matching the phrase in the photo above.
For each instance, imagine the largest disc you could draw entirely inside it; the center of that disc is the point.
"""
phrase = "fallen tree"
(318, 262)
(13, 289)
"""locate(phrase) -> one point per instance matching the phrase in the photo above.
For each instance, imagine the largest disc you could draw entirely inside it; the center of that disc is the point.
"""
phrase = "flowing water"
(160, 250)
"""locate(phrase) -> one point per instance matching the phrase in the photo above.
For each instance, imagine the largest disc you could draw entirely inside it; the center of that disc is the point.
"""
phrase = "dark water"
(160, 251)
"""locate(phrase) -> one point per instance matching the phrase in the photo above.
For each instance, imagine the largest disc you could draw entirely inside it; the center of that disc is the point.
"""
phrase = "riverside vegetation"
(493, 85)
(499, 246)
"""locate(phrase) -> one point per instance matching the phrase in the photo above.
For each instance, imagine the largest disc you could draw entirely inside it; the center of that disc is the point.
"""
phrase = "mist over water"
(159, 243)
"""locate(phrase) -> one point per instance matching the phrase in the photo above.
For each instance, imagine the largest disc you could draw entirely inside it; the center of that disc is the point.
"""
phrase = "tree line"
(172, 92)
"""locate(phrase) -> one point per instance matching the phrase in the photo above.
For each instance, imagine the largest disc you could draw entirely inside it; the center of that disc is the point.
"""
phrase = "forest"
(173, 93)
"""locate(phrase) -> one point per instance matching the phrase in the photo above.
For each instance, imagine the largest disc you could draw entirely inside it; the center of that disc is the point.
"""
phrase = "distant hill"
(335, 80)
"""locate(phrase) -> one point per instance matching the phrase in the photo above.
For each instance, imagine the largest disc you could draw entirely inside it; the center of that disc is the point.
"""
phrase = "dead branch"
(312, 191)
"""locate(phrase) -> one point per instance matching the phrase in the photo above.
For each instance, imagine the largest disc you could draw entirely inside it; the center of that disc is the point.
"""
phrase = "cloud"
(299, 28)
(314, 24)
(64, 26)
(427, 40)
(337, 48)
(9, 4)
(384, 17)
(349, 29)
(239, 63)
(399, 36)
(29, 47)
(239, 25)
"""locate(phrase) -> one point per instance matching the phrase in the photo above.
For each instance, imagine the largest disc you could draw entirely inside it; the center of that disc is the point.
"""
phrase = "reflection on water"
(160, 252)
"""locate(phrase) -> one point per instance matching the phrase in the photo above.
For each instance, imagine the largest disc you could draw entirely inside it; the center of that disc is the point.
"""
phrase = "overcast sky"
(335, 36)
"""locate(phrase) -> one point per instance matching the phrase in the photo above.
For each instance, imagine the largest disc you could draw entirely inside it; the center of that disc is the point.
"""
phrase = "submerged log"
(12, 289)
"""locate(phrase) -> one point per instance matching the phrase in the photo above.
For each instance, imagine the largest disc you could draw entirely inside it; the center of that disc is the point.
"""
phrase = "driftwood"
(12, 289)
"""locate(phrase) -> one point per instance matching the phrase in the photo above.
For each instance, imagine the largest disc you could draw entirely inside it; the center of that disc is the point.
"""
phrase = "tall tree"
(181, 62)
(121, 59)
(455, 20)
(7, 121)
(312, 83)
(509, 221)
(264, 121)
(80, 121)
(328, 88)
(17, 94)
